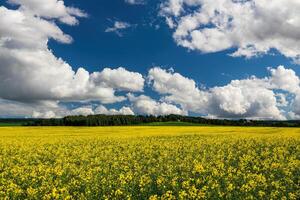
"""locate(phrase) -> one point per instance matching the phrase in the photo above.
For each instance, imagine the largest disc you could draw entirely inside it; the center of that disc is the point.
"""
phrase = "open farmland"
(149, 163)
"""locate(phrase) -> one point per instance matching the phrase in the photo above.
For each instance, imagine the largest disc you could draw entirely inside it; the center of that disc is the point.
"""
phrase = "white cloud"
(249, 98)
(85, 111)
(40, 109)
(285, 79)
(120, 78)
(178, 89)
(123, 111)
(15, 109)
(23, 31)
(88, 110)
(147, 106)
(46, 115)
(30, 72)
(254, 27)
(253, 98)
(50, 9)
(52, 109)
(118, 27)
(136, 2)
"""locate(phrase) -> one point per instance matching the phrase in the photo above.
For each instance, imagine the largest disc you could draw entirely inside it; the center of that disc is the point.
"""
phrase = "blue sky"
(147, 41)
(144, 46)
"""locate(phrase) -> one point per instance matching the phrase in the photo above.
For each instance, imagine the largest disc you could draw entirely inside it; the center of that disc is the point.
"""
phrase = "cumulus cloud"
(89, 110)
(85, 111)
(122, 111)
(45, 115)
(178, 89)
(53, 109)
(118, 27)
(50, 9)
(253, 98)
(253, 27)
(250, 98)
(15, 109)
(147, 106)
(285, 79)
(40, 109)
(120, 78)
(29, 71)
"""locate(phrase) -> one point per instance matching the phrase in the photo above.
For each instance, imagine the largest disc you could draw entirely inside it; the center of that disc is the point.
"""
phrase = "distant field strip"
(153, 162)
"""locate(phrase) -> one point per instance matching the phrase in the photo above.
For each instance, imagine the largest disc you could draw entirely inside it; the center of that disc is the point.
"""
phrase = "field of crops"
(149, 163)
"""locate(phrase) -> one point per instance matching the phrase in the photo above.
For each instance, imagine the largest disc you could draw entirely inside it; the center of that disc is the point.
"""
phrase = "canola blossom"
(149, 163)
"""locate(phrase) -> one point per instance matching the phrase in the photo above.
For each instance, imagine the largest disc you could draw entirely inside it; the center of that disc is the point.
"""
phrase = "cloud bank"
(252, 98)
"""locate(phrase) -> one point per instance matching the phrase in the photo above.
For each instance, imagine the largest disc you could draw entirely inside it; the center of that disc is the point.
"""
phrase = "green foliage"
(171, 123)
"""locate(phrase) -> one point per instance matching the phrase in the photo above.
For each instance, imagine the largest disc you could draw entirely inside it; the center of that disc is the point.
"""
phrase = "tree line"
(127, 120)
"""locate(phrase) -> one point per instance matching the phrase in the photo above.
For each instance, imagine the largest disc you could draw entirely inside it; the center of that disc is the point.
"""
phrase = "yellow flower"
(261, 193)
(153, 197)
(198, 168)
(118, 192)
(230, 187)
(182, 194)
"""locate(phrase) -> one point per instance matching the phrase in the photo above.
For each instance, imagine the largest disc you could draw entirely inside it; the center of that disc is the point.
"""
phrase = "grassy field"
(10, 124)
(172, 124)
(158, 162)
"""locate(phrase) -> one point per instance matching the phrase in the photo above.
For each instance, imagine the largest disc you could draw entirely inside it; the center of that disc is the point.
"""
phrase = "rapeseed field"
(149, 163)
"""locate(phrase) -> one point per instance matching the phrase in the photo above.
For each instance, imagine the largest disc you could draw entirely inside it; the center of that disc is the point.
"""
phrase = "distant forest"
(127, 120)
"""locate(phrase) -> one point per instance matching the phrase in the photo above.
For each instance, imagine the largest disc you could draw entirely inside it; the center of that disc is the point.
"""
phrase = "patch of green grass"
(174, 123)
(10, 124)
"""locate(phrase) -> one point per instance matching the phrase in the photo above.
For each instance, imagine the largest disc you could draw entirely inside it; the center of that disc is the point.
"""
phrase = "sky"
(217, 59)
